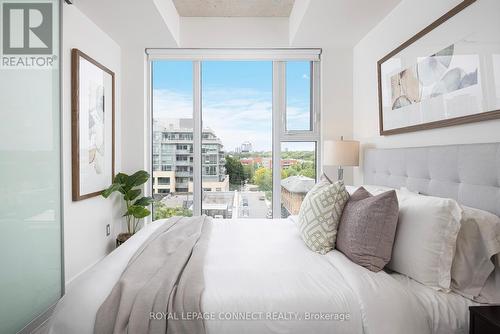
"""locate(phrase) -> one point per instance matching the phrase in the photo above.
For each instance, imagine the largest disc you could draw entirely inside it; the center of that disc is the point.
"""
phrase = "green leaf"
(144, 201)
(132, 194)
(121, 178)
(112, 188)
(138, 211)
(137, 179)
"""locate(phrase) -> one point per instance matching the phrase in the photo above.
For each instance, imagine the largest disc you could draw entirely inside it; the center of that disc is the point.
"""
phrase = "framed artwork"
(447, 74)
(92, 126)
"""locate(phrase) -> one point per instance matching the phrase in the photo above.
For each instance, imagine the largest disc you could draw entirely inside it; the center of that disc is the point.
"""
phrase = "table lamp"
(341, 153)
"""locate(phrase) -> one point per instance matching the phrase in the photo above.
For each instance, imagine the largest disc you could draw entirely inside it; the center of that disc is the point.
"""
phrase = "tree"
(263, 178)
(248, 171)
(234, 169)
(161, 211)
(305, 169)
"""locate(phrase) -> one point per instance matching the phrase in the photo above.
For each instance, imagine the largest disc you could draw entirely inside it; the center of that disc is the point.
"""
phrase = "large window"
(172, 138)
(234, 138)
(237, 126)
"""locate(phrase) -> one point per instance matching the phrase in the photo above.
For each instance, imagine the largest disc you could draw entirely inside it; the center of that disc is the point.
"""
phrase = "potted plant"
(128, 186)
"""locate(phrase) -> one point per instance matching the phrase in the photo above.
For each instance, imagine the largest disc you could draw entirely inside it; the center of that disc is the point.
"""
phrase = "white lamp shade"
(341, 153)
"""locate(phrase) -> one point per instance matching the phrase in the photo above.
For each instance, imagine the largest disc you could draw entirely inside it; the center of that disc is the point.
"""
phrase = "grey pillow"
(368, 227)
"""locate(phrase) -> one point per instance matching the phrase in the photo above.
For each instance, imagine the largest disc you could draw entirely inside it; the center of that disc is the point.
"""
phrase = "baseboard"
(38, 322)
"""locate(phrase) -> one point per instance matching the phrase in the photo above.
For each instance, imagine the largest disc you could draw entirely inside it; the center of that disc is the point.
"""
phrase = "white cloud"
(167, 103)
(236, 115)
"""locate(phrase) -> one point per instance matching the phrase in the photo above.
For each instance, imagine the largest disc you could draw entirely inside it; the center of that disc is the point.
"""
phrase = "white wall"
(85, 240)
(396, 28)
(336, 100)
(134, 116)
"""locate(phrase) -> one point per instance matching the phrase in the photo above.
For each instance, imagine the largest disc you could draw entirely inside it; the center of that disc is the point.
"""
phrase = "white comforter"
(261, 278)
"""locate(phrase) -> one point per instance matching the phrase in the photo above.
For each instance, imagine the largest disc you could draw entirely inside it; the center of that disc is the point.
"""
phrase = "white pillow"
(490, 293)
(477, 243)
(425, 239)
(377, 190)
(374, 190)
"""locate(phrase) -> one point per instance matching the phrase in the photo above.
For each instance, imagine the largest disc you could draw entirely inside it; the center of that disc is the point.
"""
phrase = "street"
(256, 208)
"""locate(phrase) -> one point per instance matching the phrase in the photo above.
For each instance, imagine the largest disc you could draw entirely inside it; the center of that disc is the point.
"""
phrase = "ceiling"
(234, 8)
(339, 22)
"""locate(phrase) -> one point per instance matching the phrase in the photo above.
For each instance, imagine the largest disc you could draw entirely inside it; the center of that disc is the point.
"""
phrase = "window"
(172, 109)
(234, 134)
(236, 104)
(163, 180)
(298, 96)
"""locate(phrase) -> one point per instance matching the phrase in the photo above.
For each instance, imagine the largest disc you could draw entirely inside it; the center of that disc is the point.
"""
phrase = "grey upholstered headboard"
(468, 173)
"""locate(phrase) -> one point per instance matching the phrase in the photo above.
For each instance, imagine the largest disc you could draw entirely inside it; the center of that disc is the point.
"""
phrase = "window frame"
(279, 57)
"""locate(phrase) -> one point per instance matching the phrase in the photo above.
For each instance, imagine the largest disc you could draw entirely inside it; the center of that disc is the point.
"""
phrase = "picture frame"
(442, 76)
(92, 126)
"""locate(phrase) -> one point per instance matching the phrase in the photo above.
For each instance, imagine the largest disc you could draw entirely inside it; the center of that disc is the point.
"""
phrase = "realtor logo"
(27, 28)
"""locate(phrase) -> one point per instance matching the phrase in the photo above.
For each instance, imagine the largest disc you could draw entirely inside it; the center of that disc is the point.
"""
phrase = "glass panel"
(30, 216)
(172, 138)
(298, 96)
(298, 174)
(237, 139)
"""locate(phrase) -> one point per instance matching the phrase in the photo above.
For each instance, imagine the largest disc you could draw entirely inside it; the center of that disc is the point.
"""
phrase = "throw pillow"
(368, 227)
(320, 214)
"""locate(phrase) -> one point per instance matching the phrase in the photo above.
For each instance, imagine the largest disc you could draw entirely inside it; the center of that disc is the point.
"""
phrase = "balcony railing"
(183, 163)
(183, 151)
(183, 173)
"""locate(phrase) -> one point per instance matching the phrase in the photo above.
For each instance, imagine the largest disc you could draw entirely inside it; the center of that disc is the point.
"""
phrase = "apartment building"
(173, 158)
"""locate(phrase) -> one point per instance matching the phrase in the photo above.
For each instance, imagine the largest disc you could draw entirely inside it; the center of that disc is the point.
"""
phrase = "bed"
(259, 277)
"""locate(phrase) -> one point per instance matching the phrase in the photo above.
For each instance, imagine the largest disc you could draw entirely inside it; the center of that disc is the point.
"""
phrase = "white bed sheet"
(262, 266)
(447, 312)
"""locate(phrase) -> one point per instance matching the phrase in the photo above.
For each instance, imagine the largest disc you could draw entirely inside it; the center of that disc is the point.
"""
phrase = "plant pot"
(122, 237)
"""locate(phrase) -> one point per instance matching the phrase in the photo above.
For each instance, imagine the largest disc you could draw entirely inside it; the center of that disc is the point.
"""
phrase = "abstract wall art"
(93, 95)
(444, 75)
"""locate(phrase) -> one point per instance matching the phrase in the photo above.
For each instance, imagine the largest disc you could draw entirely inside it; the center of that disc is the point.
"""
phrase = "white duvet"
(261, 278)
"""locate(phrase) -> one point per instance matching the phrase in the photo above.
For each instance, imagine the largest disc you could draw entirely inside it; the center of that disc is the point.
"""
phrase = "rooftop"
(298, 184)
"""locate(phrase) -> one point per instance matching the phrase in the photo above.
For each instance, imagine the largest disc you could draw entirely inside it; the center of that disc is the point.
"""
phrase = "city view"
(236, 140)
(236, 184)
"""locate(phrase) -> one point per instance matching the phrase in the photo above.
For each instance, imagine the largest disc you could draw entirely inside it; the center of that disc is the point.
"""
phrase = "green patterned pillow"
(320, 214)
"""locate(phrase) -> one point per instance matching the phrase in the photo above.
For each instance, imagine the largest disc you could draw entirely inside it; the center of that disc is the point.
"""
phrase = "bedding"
(477, 243)
(446, 312)
(490, 293)
(475, 271)
(165, 274)
(262, 265)
(425, 239)
(367, 228)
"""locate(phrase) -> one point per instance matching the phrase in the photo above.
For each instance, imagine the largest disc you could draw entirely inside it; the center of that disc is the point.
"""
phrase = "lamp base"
(340, 174)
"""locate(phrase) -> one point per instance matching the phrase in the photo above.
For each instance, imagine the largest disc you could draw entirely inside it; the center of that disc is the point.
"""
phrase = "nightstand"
(484, 319)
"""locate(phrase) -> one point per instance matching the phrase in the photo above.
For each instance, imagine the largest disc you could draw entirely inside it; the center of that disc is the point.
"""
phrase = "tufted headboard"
(469, 174)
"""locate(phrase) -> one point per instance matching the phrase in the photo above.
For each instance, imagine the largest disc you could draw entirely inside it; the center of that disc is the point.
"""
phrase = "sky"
(236, 98)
